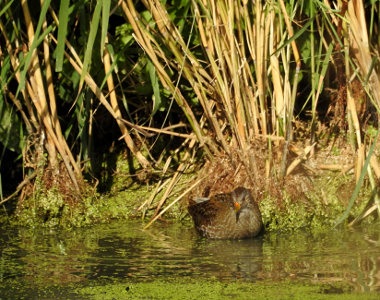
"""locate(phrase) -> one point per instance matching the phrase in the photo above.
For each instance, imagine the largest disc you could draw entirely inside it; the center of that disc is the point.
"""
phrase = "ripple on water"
(40, 258)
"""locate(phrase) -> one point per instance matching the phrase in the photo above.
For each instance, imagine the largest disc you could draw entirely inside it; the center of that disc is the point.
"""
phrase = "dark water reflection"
(120, 251)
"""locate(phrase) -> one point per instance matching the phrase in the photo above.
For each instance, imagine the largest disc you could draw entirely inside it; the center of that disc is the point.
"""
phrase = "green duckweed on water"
(202, 289)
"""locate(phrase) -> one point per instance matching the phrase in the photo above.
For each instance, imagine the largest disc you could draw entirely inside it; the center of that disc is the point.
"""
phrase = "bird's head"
(241, 198)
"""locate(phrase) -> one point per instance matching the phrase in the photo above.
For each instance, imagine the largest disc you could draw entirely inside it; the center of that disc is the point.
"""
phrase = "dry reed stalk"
(260, 55)
(50, 85)
(225, 50)
(319, 71)
(143, 130)
(115, 113)
(93, 86)
(17, 103)
(145, 40)
(173, 202)
(52, 103)
(290, 105)
(343, 168)
(236, 70)
(359, 47)
(249, 83)
(356, 124)
(375, 166)
(172, 181)
(159, 186)
(177, 175)
(115, 106)
(360, 44)
(299, 159)
(98, 93)
(241, 97)
(36, 81)
(199, 88)
(20, 188)
(148, 202)
(244, 58)
(15, 63)
(363, 215)
(37, 92)
(212, 46)
(229, 66)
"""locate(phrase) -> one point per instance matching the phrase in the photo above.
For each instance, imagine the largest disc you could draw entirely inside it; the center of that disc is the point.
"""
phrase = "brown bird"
(234, 215)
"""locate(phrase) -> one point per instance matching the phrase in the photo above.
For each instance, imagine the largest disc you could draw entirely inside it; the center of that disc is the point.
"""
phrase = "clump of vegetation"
(261, 85)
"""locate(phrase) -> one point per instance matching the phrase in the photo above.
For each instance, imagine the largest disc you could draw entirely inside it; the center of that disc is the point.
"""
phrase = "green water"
(122, 261)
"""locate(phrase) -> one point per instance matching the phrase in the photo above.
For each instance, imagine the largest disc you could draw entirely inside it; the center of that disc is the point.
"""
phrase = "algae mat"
(218, 290)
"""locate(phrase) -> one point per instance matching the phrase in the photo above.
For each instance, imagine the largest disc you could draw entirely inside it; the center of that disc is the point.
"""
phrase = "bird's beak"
(237, 210)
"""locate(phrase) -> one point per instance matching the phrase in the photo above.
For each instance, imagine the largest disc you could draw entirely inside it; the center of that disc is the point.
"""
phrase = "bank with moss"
(302, 200)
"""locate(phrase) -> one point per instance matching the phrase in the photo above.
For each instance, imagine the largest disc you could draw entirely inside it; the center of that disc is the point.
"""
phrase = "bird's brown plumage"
(232, 215)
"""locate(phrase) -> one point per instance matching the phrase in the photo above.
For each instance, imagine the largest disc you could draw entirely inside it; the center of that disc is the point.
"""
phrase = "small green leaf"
(105, 20)
(91, 40)
(36, 41)
(62, 32)
(156, 87)
(295, 36)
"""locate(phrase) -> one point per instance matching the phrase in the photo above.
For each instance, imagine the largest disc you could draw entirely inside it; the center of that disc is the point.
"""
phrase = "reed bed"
(239, 72)
(246, 77)
(243, 47)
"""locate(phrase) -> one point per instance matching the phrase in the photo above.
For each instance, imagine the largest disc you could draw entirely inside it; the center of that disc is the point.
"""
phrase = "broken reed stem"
(143, 130)
(20, 187)
(172, 203)
(180, 170)
(147, 203)
(299, 159)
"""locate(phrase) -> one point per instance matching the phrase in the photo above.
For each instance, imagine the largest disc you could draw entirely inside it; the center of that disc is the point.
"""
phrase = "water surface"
(53, 264)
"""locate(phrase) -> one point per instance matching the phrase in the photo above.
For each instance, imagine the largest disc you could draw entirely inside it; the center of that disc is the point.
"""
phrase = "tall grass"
(233, 68)
(38, 107)
(243, 62)
(243, 68)
(36, 55)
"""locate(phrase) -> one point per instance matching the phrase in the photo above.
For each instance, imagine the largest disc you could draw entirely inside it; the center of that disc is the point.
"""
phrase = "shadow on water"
(47, 264)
